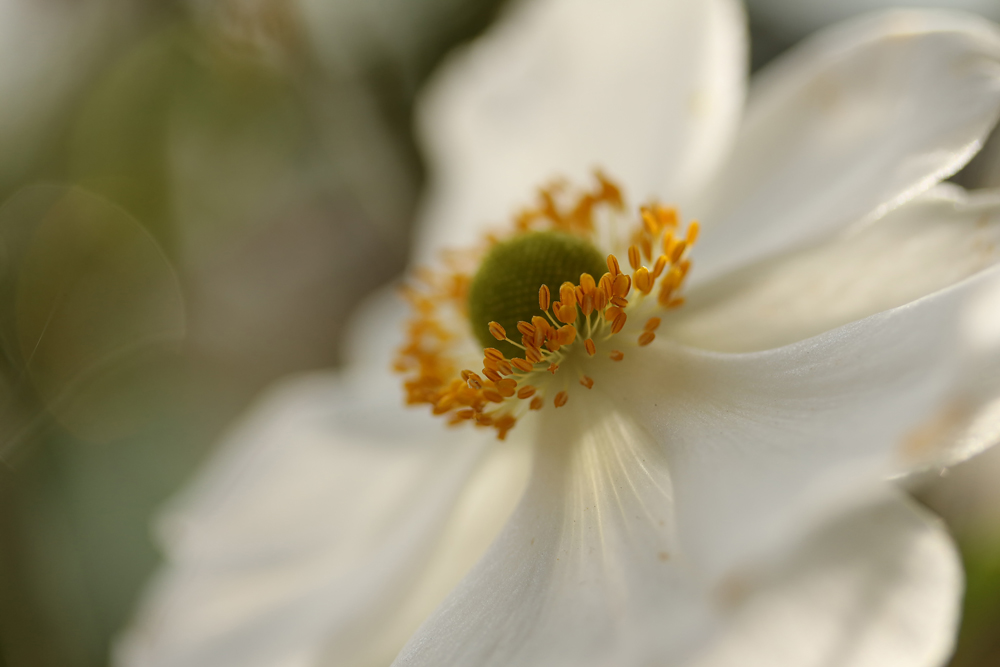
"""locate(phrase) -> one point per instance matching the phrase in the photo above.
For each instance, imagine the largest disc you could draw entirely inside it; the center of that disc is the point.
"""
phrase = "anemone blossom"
(634, 439)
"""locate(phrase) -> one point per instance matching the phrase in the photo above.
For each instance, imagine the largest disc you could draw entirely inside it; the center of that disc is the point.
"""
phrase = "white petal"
(793, 19)
(935, 241)
(319, 532)
(969, 421)
(876, 588)
(587, 572)
(371, 339)
(762, 443)
(591, 572)
(851, 123)
(649, 91)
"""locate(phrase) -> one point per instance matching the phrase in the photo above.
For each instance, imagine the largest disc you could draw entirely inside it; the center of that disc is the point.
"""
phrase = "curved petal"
(590, 572)
(848, 125)
(969, 421)
(933, 242)
(587, 571)
(762, 443)
(650, 91)
(321, 529)
(879, 587)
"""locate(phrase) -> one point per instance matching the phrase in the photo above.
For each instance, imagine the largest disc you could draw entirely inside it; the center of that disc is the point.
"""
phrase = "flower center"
(505, 288)
(542, 296)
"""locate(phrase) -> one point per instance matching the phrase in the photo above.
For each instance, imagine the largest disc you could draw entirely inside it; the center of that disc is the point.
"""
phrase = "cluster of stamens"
(593, 312)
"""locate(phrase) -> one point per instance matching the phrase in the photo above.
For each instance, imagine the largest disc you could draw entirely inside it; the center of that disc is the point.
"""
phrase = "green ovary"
(505, 288)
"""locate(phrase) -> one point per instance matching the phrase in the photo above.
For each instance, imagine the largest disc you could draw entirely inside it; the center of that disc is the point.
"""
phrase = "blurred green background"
(194, 195)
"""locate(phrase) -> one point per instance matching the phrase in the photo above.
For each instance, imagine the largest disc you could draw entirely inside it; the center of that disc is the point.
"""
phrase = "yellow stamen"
(544, 297)
(692, 232)
(633, 257)
(498, 331)
(619, 322)
(522, 365)
(527, 391)
(594, 309)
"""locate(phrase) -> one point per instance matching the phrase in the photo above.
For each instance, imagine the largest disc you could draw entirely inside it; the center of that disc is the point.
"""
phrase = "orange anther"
(491, 374)
(643, 281)
(668, 243)
(692, 232)
(561, 399)
(493, 353)
(536, 403)
(616, 355)
(606, 285)
(646, 338)
(566, 334)
(504, 368)
(492, 395)
(667, 216)
(684, 267)
(652, 324)
(661, 263)
(587, 283)
(525, 328)
(587, 303)
(498, 331)
(533, 355)
(623, 283)
(566, 313)
(677, 251)
(676, 302)
(587, 382)
(600, 300)
(544, 298)
(649, 221)
(633, 257)
(646, 247)
(611, 313)
(553, 367)
(613, 266)
(619, 322)
(473, 379)
(590, 347)
(567, 294)
(527, 391)
(507, 387)
(521, 365)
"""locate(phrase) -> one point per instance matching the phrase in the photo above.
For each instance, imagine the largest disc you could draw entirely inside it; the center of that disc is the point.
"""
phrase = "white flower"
(719, 496)
(796, 18)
